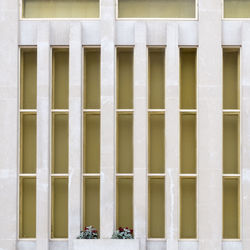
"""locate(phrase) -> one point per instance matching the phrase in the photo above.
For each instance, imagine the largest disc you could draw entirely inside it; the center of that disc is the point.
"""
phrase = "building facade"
(121, 113)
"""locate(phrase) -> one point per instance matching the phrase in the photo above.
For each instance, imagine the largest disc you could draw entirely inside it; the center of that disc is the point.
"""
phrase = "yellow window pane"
(156, 143)
(188, 78)
(156, 88)
(60, 87)
(231, 212)
(156, 208)
(59, 217)
(236, 8)
(188, 208)
(28, 78)
(124, 143)
(230, 79)
(124, 203)
(27, 218)
(92, 78)
(28, 143)
(156, 8)
(92, 143)
(124, 78)
(188, 144)
(61, 8)
(91, 203)
(230, 144)
(60, 143)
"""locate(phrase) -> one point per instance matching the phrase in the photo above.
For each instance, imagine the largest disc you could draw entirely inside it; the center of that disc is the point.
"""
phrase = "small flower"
(131, 231)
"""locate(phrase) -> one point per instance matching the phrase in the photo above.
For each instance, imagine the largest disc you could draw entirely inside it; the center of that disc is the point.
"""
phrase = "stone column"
(140, 134)
(209, 127)
(9, 85)
(245, 139)
(75, 135)
(172, 136)
(107, 199)
(43, 136)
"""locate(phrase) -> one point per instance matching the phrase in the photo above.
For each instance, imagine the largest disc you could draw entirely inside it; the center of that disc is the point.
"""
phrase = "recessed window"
(60, 9)
(236, 8)
(156, 8)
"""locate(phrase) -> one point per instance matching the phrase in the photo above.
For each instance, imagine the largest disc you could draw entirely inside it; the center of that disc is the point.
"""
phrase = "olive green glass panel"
(188, 78)
(92, 78)
(28, 143)
(60, 143)
(156, 143)
(188, 144)
(27, 218)
(156, 88)
(92, 143)
(60, 87)
(91, 202)
(124, 143)
(237, 8)
(230, 144)
(28, 78)
(60, 8)
(188, 208)
(124, 78)
(231, 213)
(59, 202)
(230, 80)
(124, 203)
(156, 208)
(156, 8)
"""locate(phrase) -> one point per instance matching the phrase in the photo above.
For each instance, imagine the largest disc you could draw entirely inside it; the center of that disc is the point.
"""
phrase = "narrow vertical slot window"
(91, 143)
(188, 144)
(92, 78)
(91, 202)
(188, 208)
(28, 74)
(156, 78)
(60, 143)
(231, 211)
(188, 78)
(124, 199)
(231, 144)
(28, 143)
(156, 143)
(230, 79)
(124, 143)
(124, 78)
(60, 86)
(27, 208)
(59, 214)
(156, 207)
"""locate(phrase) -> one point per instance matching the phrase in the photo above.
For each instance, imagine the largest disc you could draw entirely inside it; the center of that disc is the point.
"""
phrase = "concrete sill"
(106, 244)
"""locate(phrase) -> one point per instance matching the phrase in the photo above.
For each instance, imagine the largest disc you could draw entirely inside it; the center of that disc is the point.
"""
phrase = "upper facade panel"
(156, 8)
(236, 8)
(47, 9)
(60, 9)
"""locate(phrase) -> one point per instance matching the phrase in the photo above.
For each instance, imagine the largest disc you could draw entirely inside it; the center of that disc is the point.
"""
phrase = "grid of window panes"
(124, 137)
(27, 142)
(91, 137)
(156, 142)
(188, 154)
(231, 144)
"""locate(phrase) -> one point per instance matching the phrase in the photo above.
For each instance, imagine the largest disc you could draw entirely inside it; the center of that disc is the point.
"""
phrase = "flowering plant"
(123, 233)
(88, 233)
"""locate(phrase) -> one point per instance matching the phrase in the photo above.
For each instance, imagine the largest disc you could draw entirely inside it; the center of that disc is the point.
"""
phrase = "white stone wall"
(208, 33)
